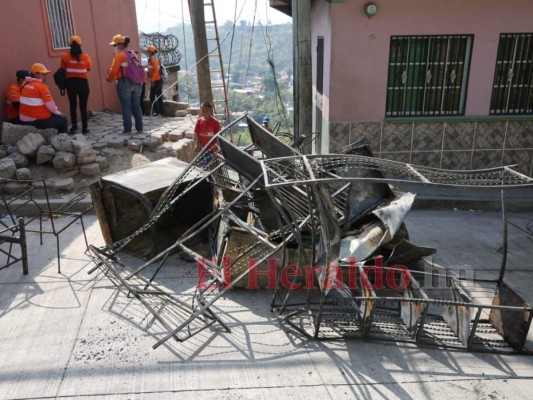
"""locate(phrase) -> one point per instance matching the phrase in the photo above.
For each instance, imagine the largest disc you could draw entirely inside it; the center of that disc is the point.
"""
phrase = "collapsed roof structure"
(335, 219)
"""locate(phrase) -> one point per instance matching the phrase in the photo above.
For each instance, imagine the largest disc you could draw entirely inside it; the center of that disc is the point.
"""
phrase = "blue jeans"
(129, 95)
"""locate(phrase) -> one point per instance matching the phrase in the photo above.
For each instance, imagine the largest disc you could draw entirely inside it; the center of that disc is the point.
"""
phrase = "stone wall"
(448, 145)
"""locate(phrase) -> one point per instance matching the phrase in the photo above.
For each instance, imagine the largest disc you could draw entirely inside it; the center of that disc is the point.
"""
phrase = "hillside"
(258, 60)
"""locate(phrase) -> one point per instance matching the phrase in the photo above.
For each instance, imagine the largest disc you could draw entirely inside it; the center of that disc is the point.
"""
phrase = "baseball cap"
(151, 48)
(22, 73)
(39, 68)
(266, 119)
(118, 39)
(75, 38)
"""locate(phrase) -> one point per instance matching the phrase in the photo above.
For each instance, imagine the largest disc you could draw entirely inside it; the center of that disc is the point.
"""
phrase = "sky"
(159, 15)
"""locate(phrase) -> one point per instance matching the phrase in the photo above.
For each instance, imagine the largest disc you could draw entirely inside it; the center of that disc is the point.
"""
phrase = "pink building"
(445, 84)
(39, 31)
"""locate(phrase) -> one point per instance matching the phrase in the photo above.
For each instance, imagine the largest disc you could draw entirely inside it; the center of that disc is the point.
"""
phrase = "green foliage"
(250, 51)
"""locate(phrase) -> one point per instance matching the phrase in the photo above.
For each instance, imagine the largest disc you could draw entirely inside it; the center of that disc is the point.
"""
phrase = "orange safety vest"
(12, 96)
(154, 69)
(120, 61)
(32, 98)
(75, 68)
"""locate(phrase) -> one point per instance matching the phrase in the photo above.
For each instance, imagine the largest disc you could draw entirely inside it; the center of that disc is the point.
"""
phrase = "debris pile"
(329, 231)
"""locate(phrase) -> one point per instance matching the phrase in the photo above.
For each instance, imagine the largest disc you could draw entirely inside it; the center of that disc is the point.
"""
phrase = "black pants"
(78, 87)
(142, 98)
(157, 90)
(54, 121)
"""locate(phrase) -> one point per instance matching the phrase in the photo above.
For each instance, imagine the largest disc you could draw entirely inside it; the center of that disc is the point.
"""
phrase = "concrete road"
(74, 336)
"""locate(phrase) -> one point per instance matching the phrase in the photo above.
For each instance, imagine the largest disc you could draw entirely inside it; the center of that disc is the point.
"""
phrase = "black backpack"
(59, 79)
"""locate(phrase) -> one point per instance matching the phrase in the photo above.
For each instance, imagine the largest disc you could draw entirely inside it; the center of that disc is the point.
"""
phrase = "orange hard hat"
(118, 39)
(151, 48)
(39, 68)
(75, 38)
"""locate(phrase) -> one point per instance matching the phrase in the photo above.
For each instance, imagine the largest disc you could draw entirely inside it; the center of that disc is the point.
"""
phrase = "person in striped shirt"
(37, 107)
(77, 65)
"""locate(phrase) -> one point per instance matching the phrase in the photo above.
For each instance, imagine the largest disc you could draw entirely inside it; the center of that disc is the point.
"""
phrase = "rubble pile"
(329, 231)
(63, 152)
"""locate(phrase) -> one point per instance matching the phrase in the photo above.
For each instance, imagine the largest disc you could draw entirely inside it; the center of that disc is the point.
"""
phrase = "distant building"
(446, 84)
(39, 31)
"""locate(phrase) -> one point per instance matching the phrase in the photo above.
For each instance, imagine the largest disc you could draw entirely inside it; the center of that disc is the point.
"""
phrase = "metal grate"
(60, 22)
(428, 75)
(512, 90)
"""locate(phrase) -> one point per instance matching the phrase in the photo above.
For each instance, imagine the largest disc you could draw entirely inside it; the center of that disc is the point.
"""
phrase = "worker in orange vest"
(77, 64)
(129, 93)
(13, 97)
(37, 107)
(156, 83)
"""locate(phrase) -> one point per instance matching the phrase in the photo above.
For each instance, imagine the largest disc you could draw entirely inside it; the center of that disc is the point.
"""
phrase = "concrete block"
(103, 162)
(175, 136)
(64, 160)
(181, 113)
(23, 174)
(45, 154)
(8, 169)
(82, 148)
(82, 160)
(20, 160)
(169, 108)
(181, 105)
(11, 133)
(92, 169)
(62, 142)
(152, 142)
(29, 144)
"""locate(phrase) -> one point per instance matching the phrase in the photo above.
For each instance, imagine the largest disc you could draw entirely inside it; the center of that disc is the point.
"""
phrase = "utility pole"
(196, 9)
(303, 77)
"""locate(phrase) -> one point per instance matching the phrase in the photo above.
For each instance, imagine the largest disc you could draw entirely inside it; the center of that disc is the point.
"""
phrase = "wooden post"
(196, 9)
(303, 77)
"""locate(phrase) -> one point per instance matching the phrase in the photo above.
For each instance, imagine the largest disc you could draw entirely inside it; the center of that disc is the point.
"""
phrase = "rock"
(175, 136)
(79, 137)
(3, 151)
(190, 135)
(135, 145)
(23, 174)
(45, 154)
(102, 161)
(29, 144)
(169, 108)
(11, 133)
(152, 142)
(90, 169)
(184, 149)
(65, 184)
(182, 105)
(194, 111)
(82, 148)
(8, 168)
(91, 113)
(164, 151)
(11, 149)
(64, 160)
(181, 113)
(86, 159)
(20, 160)
(62, 142)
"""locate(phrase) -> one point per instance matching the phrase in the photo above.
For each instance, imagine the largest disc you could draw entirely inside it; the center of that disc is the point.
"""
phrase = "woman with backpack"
(77, 64)
(156, 80)
(125, 69)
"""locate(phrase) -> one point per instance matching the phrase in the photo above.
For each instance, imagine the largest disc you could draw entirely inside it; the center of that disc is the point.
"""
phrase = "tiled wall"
(448, 145)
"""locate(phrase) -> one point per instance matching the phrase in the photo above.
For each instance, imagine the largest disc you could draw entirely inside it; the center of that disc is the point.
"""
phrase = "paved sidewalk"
(73, 336)
(106, 128)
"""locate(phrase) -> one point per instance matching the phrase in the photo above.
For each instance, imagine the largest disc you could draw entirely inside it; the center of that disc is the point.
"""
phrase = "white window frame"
(61, 23)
